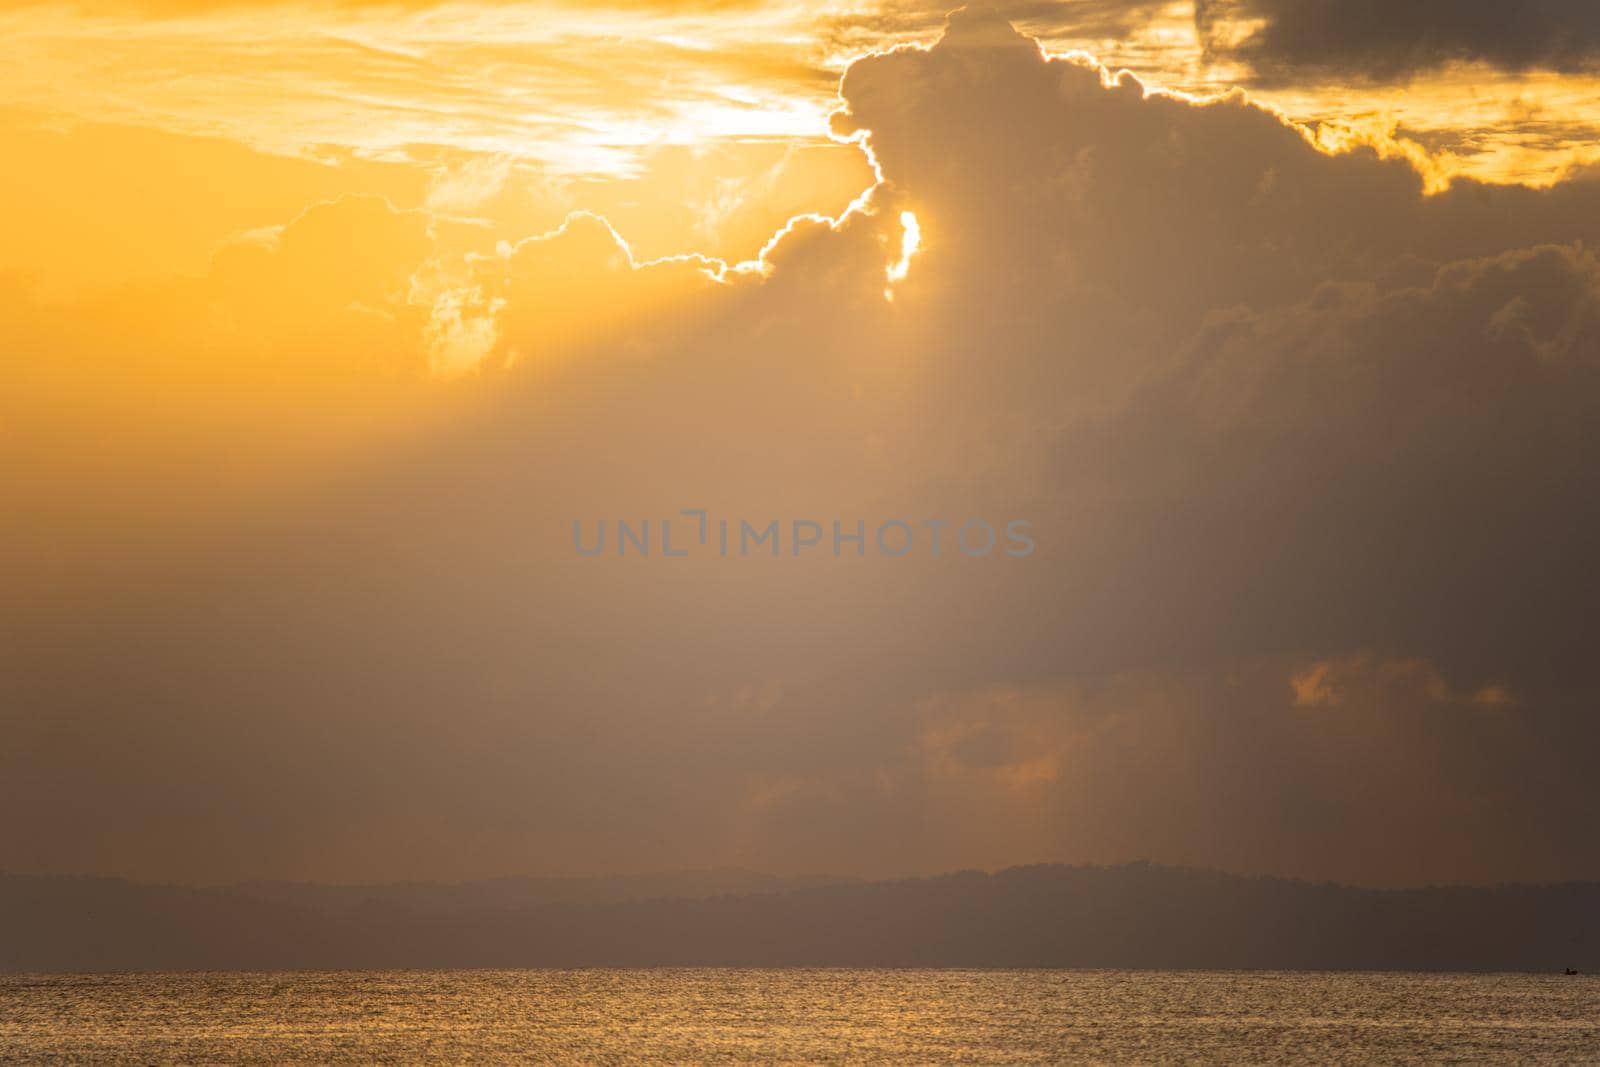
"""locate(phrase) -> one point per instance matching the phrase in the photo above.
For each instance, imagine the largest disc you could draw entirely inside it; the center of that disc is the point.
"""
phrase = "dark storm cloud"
(1289, 40)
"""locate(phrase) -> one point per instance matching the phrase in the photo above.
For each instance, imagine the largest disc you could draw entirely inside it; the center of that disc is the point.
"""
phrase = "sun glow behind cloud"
(1129, 313)
(910, 241)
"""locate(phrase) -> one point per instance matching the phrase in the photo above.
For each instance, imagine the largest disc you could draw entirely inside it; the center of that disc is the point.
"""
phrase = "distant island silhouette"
(1133, 916)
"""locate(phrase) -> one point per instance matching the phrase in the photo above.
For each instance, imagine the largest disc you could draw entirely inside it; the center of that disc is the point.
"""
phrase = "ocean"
(799, 1016)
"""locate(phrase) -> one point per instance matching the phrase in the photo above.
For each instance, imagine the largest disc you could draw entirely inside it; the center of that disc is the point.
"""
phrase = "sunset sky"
(321, 323)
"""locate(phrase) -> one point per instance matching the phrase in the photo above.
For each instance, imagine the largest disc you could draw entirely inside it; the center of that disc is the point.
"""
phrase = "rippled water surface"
(718, 1016)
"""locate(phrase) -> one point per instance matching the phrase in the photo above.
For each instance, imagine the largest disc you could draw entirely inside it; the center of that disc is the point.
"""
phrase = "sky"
(322, 325)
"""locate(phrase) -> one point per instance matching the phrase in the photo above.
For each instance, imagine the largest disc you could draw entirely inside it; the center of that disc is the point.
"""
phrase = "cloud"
(581, 91)
(1273, 409)
(189, 8)
(1299, 40)
(901, 21)
(1334, 683)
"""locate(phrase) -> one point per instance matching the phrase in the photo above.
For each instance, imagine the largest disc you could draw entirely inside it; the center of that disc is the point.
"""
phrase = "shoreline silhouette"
(1138, 916)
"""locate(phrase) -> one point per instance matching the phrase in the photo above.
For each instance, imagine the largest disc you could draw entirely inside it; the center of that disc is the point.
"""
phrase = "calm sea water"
(826, 1016)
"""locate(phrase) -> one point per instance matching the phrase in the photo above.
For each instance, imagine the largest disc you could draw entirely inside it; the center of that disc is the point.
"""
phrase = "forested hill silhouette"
(1134, 916)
